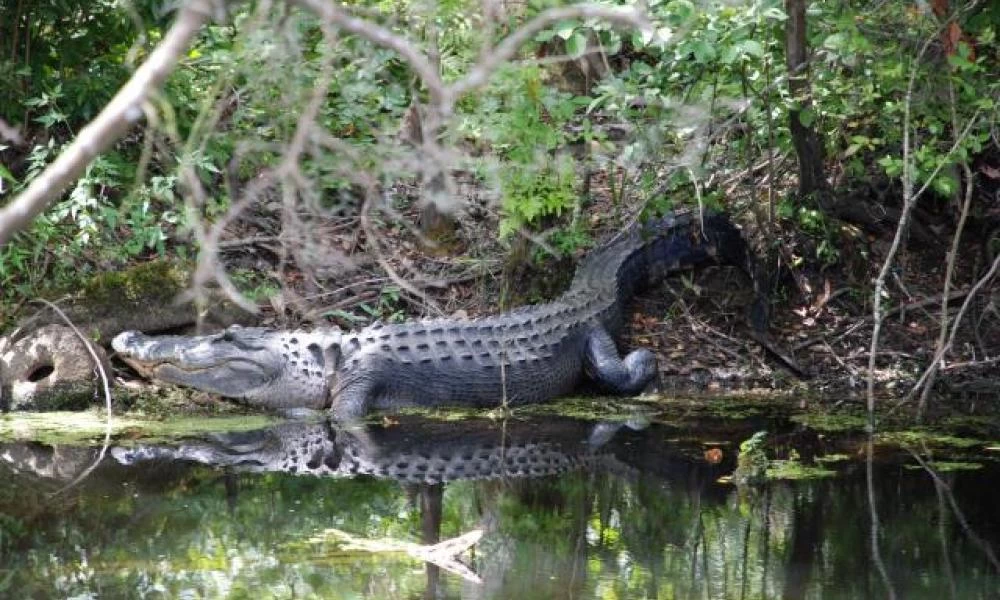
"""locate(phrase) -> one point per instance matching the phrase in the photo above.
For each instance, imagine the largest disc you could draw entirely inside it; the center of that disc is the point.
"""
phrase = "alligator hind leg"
(603, 364)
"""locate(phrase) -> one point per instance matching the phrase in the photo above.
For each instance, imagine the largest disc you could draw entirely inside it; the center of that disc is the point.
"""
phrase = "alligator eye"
(231, 337)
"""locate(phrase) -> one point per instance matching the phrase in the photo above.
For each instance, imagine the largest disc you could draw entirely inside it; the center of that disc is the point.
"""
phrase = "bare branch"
(372, 238)
(443, 97)
(333, 13)
(441, 554)
(939, 355)
(909, 199)
(949, 271)
(124, 110)
(494, 59)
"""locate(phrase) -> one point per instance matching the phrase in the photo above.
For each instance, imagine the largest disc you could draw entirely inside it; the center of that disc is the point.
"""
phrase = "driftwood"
(441, 554)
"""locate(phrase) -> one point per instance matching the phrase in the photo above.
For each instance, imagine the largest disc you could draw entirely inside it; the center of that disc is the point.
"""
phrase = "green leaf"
(753, 48)
(611, 41)
(959, 62)
(775, 14)
(545, 35)
(664, 35)
(681, 10)
(5, 174)
(945, 185)
(987, 36)
(893, 166)
(834, 41)
(703, 51)
(576, 45)
(807, 117)
(565, 29)
(641, 39)
(729, 55)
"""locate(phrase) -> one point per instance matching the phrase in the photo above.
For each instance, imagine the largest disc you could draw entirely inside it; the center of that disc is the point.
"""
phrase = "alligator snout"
(134, 346)
(126, 342)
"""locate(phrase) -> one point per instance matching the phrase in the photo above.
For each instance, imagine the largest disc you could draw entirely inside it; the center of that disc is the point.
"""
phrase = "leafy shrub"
(524, 122)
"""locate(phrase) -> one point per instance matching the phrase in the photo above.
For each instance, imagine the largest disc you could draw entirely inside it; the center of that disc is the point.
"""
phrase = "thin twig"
(994, 269)
(107, 397)
(505, 50)
(334, 14)
(372, 238)
(950, 266)
(971, 363)
(909, 199)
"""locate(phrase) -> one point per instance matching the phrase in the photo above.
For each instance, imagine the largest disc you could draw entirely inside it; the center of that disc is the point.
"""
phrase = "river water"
(557, 508)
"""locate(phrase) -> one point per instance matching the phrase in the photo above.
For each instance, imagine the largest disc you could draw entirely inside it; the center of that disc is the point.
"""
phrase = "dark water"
(567, 509)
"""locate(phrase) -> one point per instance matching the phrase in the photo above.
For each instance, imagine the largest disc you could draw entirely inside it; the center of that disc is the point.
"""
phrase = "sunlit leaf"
(681, 9)
(753, 48)
(807, 117)
(576, 45)
(945, 185)
(834, 41)
(565, 29)
(5, 174)
(774, 13)
(703, 51)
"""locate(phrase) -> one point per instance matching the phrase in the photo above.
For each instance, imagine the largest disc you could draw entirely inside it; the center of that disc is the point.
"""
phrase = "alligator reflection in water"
(569, 509)
(415, 451)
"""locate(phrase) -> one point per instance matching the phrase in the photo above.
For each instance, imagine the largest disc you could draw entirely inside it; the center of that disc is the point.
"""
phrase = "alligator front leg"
(352, 398)
(603, 364)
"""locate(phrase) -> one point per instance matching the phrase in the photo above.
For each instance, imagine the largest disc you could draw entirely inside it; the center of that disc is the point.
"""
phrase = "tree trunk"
(436, 225)
(431, 506)
(808, 146)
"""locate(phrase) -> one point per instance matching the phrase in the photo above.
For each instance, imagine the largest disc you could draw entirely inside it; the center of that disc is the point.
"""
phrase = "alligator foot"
(626, 376)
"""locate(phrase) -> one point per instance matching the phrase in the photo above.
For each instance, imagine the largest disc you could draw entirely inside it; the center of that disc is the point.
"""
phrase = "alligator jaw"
(261, 367)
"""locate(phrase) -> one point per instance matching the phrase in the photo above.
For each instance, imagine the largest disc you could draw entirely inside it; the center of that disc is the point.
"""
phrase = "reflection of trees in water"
(599, 535)
(662, 529)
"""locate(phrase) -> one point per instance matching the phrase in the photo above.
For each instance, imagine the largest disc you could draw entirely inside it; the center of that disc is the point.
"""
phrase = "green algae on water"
(916, 437)
(91, 425)
(793, 470)
(947, 466)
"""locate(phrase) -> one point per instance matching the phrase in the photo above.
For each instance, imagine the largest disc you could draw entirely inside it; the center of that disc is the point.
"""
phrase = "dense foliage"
(704, 94)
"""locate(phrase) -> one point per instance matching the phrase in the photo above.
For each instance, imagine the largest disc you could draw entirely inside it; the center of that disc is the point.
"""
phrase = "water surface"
(567, 509)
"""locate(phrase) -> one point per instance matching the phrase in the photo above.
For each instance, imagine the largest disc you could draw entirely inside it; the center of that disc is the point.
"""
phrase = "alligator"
(528, 355)
(411, 451)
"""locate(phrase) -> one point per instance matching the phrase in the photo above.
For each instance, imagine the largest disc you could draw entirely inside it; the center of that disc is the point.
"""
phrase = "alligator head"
(263, 367)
